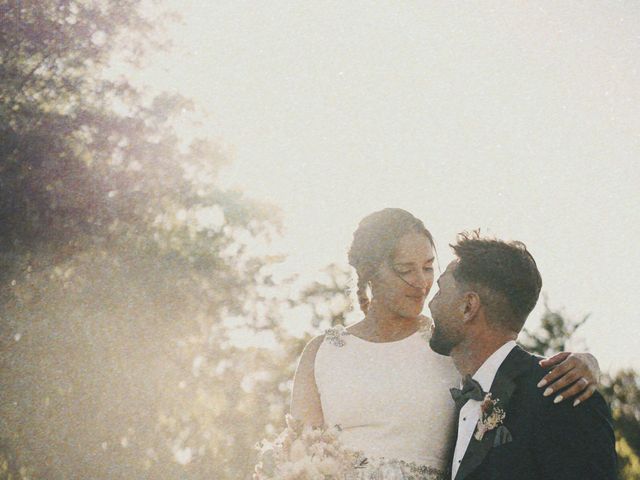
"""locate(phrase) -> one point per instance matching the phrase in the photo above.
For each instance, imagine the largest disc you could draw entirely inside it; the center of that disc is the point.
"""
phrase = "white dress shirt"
(470, 412)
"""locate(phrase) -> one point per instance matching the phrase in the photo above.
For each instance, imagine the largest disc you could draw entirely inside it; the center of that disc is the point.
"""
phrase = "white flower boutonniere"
(491, 416)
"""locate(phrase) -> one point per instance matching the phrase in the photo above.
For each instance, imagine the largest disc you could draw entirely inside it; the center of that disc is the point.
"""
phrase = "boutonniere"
(491, 416)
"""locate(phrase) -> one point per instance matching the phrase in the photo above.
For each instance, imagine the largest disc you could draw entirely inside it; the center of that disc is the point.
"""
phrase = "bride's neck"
(388, 326)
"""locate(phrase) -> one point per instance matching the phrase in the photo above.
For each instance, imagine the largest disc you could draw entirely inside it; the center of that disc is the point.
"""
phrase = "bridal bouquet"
(302, 452)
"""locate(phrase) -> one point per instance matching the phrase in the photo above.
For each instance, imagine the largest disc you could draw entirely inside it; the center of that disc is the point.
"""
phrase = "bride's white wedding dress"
(392, 402)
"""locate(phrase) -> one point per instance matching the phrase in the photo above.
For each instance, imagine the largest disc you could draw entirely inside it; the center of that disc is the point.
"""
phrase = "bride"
(378, 379)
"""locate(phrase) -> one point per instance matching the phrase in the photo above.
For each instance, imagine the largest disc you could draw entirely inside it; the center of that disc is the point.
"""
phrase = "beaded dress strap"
(335, 335)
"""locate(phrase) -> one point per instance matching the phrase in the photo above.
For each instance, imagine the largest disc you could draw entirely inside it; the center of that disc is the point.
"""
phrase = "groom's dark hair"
(503, 274)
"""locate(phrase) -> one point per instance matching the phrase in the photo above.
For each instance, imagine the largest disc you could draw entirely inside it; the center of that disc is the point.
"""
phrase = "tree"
(553, 334)
(121, 261)
(622, 391)
(329, 298)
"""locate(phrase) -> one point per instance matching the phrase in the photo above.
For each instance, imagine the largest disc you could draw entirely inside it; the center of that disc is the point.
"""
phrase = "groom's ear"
(471, 306)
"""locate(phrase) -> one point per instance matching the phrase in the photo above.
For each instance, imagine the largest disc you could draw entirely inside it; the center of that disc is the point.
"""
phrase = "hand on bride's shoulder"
(305, 399)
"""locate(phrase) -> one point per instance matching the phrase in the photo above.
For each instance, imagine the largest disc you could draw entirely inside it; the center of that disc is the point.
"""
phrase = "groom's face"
(447, 310)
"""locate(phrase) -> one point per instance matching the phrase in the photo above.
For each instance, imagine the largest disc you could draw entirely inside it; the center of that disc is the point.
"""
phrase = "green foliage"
(553, 334)
(329, 298)
(121, 263)
(622, 391)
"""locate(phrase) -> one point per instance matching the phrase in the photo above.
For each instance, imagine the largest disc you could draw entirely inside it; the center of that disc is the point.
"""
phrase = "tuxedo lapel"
(502, 389)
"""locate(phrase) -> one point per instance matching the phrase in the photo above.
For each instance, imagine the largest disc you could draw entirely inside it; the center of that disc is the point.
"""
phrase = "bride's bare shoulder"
(305, 399)
(311, 348)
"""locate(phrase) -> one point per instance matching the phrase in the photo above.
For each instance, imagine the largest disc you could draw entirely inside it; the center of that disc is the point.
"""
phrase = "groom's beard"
(440, 344)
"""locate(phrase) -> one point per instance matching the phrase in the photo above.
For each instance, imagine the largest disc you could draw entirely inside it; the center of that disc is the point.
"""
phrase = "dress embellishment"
(334, 335)
(392, 469)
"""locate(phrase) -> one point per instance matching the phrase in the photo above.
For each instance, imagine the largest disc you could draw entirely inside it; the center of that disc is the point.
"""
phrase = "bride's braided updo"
(375, 240)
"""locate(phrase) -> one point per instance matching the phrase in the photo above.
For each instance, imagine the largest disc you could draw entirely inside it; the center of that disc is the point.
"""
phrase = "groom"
(506, 429)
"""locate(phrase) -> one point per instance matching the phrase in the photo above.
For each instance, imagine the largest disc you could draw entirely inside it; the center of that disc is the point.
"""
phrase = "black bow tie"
(470, 389)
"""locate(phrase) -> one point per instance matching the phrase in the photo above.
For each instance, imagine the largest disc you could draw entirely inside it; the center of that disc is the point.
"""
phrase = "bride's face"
(402, 283)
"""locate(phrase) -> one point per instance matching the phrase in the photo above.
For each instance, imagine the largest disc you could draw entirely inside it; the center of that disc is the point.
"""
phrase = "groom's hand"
(578, 373)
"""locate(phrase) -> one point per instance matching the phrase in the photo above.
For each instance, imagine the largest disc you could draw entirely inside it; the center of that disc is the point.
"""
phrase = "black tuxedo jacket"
(548, 441)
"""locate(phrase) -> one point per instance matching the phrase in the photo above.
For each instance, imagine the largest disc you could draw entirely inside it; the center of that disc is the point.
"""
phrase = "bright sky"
(519, 118)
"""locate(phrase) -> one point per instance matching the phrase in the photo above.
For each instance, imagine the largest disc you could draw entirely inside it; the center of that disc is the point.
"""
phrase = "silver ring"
(586, 382)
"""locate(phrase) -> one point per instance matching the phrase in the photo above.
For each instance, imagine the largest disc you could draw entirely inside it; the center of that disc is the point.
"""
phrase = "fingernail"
(548, 392)
(542, 383)
(576, 403)
(558, 399)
